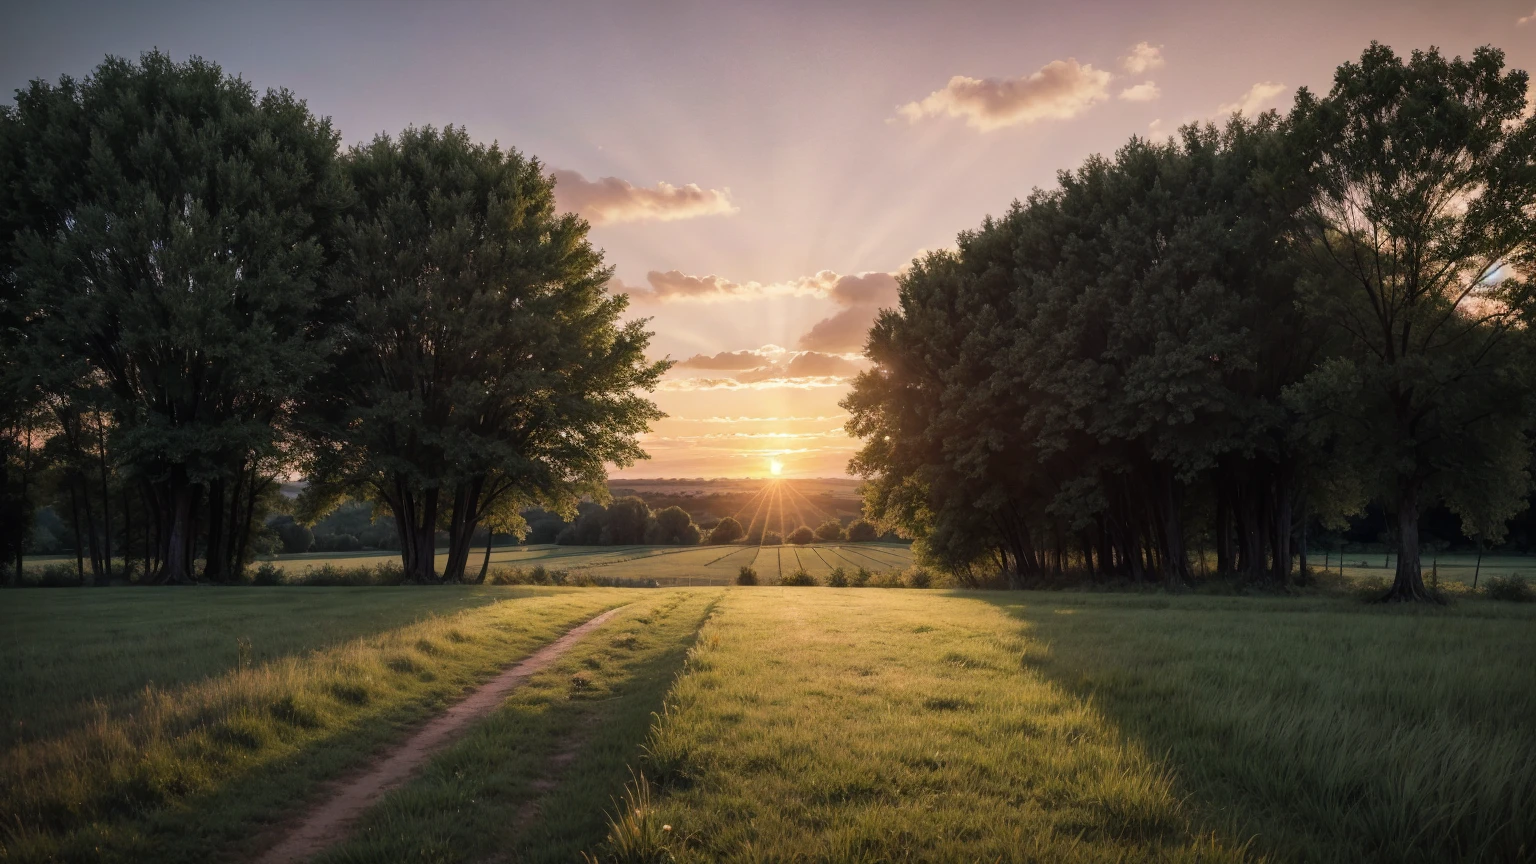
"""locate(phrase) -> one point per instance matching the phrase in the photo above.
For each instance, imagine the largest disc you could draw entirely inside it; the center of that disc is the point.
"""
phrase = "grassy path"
(185, 773)
(534, 781)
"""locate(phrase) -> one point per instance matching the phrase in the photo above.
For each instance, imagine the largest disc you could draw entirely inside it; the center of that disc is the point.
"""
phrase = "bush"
(830, 531)
(862, 531)
(728, 531)
(860, 578)
(885, 579)
(772, 538)
(917, 577)
(799, 578)
(746, 576)
(838, 578)
(1512, 588)
(802, 535)
(60, 575)
(267, 574)
(330, 575)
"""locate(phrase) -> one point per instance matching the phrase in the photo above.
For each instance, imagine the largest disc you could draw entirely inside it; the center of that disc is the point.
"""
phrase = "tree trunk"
(213, 564)
(177, 566)
(1479, 568)
(106, 498)
(1408, 584)
(1280, 520)
(1302, 548)
(1224, 544)
(74, 507)
(485, 563)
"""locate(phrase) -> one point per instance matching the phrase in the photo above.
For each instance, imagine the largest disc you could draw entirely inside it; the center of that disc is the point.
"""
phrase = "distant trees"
(801, 536)
(862, 531)
(201, 294)
(1202, 345)
(830, 531)
(728, 530)
(628, 521)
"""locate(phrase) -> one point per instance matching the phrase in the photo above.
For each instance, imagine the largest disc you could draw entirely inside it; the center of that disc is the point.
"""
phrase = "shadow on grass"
(1338, 732)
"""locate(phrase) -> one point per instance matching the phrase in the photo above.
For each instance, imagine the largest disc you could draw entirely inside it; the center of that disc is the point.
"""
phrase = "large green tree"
(482, 360)
(1423, 230)
(167, 230)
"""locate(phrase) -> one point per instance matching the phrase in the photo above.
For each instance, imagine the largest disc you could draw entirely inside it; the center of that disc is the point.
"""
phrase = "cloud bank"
(610, 199)
(1059, 90)
(768, 366)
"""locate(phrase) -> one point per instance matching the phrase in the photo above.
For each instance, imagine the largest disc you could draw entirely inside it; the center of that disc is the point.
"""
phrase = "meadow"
(773, 723)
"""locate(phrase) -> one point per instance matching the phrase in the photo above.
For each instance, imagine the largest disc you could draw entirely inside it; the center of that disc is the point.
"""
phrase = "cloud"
(675, 285)
(1146, 91)
(609, 199)
(1142, 58)
(815, 363)
(1526, 20)
(1257, 97)
(1061, 89)
(772, 383)
(725, 361)
(862, 297)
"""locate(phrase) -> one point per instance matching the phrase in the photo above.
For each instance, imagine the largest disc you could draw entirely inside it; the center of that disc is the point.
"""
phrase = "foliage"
(673, 526)
(830, 531)
(1512, 588)
(798, 578)
(1421, 226)
(727, 530)
(838, 578)
(801, 536)
(862, 531)
(746, 576)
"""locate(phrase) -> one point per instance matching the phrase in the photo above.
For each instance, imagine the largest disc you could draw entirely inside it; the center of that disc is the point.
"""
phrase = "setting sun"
(775, 467)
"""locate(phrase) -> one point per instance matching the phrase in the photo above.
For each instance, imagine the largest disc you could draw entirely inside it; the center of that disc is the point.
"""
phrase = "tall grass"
(847, 725)
(229, 751)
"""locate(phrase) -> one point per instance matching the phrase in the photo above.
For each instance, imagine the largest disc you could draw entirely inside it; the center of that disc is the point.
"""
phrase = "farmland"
(810, 723)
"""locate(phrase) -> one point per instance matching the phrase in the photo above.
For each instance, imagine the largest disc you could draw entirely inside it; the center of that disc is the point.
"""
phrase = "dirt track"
(331, 819)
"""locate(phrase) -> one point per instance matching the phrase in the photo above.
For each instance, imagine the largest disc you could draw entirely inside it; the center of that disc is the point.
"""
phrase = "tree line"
(205, 294)
(1197, 348)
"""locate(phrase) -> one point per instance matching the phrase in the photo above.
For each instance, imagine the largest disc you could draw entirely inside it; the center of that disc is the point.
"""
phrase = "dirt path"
(331, 819)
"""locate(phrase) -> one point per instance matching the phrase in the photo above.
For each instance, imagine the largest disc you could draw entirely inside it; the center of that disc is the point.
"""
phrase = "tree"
(673, 526)
(830, 531)
(728, 531)
(482, 359)
(801, 536)
(862, 531)
(169, 252)
(1423, 233)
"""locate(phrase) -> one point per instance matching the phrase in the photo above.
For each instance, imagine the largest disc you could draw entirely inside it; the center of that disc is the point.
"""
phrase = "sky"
(759, 174)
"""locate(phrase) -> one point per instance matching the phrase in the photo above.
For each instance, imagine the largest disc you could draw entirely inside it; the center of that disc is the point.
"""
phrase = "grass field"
(774, 724)
(668, 565)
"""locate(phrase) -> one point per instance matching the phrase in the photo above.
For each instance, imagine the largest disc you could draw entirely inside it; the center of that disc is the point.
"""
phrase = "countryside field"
(668, 565)
(773, 723)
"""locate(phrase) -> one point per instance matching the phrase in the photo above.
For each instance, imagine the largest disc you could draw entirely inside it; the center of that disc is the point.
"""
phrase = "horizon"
(757, 177)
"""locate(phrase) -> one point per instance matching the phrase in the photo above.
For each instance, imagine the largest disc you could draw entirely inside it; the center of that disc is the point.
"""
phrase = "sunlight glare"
(775, 467)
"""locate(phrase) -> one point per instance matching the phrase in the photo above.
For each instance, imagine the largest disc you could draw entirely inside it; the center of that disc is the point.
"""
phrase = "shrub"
(830, 531)
(728, 531)
(267, 574)
(772, 538)
(799, 579)
(802, 535)
(1512, 588)
(862, 531)
(838, 578)
(860, 578)
(746, 576)
(60, 575)
(885, 579)
(917, 577)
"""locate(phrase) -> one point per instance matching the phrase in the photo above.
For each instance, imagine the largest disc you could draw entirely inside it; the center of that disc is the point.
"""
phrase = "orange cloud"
(862, 297)
(609, 199)
(1059, 90)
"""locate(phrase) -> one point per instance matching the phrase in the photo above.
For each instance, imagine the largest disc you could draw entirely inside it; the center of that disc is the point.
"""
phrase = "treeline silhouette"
(1202, 347)
(204, 294)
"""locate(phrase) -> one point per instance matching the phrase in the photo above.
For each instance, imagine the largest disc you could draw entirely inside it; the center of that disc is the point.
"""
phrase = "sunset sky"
(758, 172)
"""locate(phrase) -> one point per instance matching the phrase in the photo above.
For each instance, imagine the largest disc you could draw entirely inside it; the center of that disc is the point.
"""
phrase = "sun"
(775, 467)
